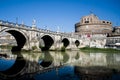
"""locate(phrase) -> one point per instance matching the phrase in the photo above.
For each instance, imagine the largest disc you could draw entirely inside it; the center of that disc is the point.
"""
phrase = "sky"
(62, 14)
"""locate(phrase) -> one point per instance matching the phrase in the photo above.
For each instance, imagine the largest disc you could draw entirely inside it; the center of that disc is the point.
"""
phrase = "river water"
(56, 65)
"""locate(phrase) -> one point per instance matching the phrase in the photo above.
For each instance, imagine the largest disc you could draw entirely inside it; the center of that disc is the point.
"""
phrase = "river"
(56, 65)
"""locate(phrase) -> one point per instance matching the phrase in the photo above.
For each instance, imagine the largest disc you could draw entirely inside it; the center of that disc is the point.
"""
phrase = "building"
(92, 25)
(97, 33)
(114, 39)
(116, 31)
(93, 31)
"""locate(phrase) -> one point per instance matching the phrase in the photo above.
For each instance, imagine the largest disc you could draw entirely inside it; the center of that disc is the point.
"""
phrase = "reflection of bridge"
(41, 38)
(25, 68)
(27, 65)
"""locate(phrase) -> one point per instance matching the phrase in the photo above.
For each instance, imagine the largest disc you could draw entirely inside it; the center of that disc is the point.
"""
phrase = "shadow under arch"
(20, 39)
(19, 36)
(48, 42)
(47, 61)
(16, 69)
(66, 42)
(77, 43)
(20, 62)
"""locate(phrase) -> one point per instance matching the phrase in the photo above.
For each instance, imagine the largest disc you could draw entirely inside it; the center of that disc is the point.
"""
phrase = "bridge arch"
(19, 35)
(16, 69)
(47, 61)
(77, 43)
(65, 42)
(48, 41)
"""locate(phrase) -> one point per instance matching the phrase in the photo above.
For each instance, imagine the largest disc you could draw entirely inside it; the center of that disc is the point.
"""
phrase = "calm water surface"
(53, 65)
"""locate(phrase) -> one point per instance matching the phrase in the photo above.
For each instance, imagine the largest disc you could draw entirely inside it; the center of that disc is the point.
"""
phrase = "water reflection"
(69, 65)
(47, 60)
(94, 73)
(15, 69)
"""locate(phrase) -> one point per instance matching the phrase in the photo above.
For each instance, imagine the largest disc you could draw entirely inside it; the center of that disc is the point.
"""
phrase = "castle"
(97, 33)
(92, 25)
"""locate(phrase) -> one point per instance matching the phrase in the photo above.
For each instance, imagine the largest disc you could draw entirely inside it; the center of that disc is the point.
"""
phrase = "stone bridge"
(28, 37)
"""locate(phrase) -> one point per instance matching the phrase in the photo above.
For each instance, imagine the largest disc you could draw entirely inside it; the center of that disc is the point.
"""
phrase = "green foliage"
(7, 46)
(40, 46)
(34, 47)
(26, 51)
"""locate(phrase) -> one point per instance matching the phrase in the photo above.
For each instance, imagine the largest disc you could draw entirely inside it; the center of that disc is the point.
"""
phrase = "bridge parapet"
(25, 27)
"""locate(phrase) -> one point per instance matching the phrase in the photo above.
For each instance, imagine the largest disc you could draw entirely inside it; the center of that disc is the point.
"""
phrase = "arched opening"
(16, 68)
(19, 63)
(65, 57)
(65, 42)
(20, 39)
(48, 42)
(47, 61)
(77, 43)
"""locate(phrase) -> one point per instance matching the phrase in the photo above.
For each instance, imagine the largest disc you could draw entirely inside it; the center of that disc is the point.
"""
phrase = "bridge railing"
(13, 24)
(22, 26)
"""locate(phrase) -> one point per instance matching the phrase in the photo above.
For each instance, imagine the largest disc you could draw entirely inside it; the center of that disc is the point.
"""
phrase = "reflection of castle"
(94, 73)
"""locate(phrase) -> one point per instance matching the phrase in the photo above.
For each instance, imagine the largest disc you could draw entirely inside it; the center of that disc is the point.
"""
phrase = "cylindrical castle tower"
(92, 25)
